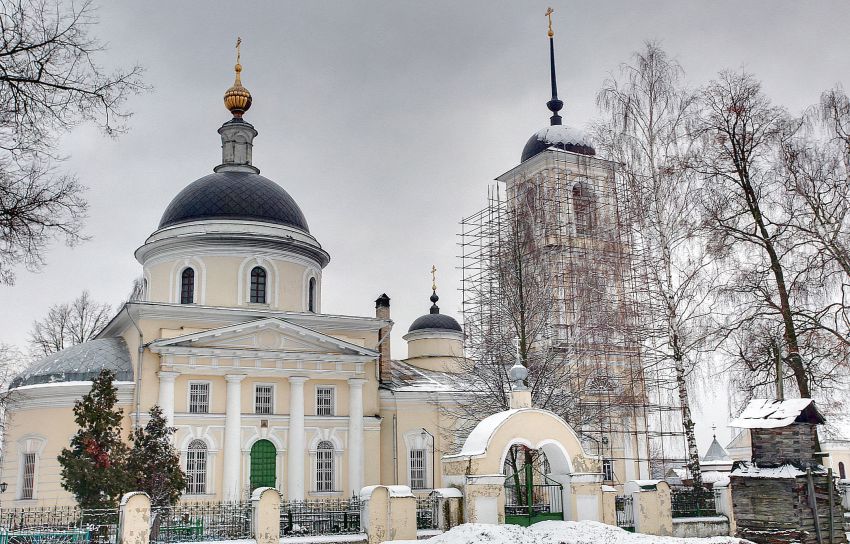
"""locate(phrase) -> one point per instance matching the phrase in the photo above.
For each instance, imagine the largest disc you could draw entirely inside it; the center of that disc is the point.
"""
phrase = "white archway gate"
(478, 468)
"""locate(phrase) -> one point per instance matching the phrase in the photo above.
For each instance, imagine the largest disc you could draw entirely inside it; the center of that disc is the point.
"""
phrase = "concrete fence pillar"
(265, 508)
(387, 512)
(134, 518)
(653, 511)
(609, 505)
(723, 504)
(374, 513)
(449, 503)
(484, 499)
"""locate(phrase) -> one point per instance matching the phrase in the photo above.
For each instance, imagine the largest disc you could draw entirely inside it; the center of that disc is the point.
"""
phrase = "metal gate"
(527, 501)
(625, 512)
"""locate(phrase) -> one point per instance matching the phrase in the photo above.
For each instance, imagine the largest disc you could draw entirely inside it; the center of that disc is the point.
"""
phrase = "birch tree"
(646, 128)
(68, 324)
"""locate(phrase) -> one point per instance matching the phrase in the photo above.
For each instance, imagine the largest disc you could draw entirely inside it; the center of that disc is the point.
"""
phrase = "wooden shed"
(783, 494)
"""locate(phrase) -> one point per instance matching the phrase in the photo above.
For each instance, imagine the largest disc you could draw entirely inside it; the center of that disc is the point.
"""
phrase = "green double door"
(263, 464)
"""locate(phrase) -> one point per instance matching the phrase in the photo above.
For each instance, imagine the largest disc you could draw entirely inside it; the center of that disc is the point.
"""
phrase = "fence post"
(374, 513)
(402, 513)
(448, 507)
(653, 511)
(609, 505)
(723, 504)
(134, 517)
(265, 512)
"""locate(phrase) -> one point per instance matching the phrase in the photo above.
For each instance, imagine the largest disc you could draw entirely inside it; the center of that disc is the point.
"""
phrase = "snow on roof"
(476, 442)
(772, 414)
(408, 378)
(786, 472)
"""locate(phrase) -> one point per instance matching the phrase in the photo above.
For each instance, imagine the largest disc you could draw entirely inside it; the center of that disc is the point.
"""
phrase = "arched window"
(584, 209)
(311, 295)
(258, 285)
(841, 473)
(196, 468)
(325, 466)
(187, 286)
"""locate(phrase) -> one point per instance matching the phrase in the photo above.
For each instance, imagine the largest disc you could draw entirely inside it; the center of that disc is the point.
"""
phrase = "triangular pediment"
(266, 335)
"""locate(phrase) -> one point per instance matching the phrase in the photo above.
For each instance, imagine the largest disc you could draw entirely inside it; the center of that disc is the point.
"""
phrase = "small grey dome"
(234, 195)
(435, 321)
(561, 137)
(82, 362)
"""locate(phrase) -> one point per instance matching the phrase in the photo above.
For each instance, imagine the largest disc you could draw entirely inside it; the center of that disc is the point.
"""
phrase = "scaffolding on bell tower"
(599, 317)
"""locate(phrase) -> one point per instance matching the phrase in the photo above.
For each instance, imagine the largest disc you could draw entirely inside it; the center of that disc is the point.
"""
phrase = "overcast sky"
(386, 121)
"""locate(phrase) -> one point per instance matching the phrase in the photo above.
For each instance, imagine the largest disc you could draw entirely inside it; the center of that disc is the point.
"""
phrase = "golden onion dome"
(237, 98)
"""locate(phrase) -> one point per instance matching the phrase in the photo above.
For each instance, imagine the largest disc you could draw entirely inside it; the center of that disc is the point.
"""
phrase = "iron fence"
(691, 503)
(624, 507)
(58, 525)
(188, 522)
(426, 512)
(544, 499)
(320, 517)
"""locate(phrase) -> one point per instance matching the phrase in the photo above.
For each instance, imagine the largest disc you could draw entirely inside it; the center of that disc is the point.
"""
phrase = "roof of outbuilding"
(234, 195)
(772, 414)
(716, 453)
(82, 362)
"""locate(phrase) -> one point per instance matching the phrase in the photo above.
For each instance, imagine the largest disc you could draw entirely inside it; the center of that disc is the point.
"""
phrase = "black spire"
(554, 105)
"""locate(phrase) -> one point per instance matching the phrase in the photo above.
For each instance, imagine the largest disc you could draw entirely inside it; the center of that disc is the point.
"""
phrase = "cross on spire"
(555, 104)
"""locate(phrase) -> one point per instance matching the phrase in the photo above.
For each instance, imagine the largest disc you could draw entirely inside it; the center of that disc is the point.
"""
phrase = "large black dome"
(435, 321)
(560, 137)
(234, 195)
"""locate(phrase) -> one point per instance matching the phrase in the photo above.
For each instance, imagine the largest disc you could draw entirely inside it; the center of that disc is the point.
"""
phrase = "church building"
(230, 338)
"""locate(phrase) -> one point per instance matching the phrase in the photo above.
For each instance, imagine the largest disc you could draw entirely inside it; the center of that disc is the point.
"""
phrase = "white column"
(166, 395)
(296, 445)
(355, 434)
(230, 484)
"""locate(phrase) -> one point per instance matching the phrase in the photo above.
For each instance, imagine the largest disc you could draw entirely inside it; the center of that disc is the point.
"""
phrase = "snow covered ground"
(558, 532)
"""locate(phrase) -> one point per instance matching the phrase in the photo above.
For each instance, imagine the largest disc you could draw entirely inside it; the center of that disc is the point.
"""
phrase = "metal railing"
(57, 525)
(320, 517)
(188, 522)
(545, 499)
(689, 503)
(426, 512)
(625, 512)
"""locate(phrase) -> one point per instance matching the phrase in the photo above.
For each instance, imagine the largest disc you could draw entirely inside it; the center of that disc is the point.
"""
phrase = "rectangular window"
(324, 470)
(324, 401)
(608, 470)
(417, 469)
(263, 399)
(28, 483)
(199, 398)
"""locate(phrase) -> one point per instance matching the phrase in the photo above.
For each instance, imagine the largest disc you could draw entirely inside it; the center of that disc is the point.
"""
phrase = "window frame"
(195, 471)
(189, 396)
(271, 387)
(332, 389)
(311, 294)
(33, 476)
(187, 296)
(254, 291)
(423, 467)
(325, 467)
(608, 470)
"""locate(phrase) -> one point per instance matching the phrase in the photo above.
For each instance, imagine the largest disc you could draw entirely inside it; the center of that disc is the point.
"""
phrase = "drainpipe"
(137, 423)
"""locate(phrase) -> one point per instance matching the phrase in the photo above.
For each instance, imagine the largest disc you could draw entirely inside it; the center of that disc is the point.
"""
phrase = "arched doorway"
(263, 464)
(531, 495)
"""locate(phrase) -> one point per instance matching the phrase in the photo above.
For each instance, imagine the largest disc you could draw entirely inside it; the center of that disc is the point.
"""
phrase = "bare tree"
(647, 130)
(741, 132)
(50, 82)
(68, 324)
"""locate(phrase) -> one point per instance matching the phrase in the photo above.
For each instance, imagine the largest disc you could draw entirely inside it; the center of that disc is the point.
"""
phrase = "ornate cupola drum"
(237, 136)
